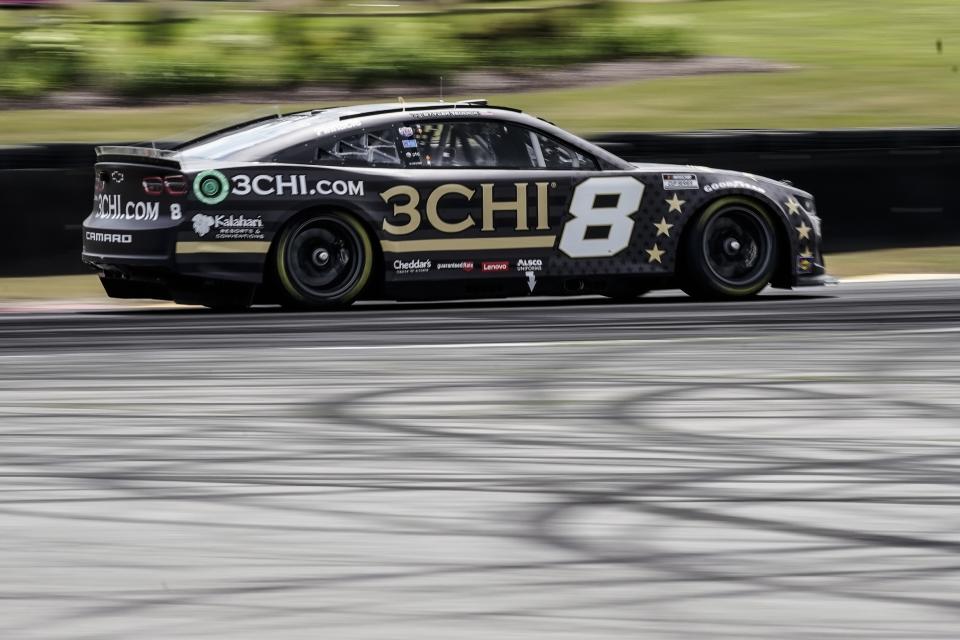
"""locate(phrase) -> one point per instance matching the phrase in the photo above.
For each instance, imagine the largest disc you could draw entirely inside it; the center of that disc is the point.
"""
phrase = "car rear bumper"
(153, 278)
(140, 262)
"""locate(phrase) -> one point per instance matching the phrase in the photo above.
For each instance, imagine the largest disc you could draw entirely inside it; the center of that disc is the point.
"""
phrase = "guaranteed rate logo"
(211, 187)
(461, 265)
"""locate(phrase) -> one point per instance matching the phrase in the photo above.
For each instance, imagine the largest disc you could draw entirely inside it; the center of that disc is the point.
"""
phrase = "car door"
(484, 195)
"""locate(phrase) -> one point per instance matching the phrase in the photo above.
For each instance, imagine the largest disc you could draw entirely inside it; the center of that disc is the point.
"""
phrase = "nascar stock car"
(316, 209)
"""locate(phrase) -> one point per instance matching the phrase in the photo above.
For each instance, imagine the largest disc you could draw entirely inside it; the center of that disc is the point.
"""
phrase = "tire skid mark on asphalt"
(836, 536)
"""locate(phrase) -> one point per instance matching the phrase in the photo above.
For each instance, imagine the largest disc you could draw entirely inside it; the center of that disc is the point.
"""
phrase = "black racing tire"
(323, 261)
(730, 251)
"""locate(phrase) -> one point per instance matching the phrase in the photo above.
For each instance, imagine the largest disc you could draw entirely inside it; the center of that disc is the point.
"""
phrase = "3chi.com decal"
(213, 187)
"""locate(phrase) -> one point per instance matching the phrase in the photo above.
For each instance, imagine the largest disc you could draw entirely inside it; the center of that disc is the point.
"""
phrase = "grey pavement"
(782, 468)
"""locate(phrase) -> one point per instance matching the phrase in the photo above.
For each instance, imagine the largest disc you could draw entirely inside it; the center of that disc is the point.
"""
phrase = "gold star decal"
(655, 254)
(663, 227)
(793, 206)
(676, 204)
(806, 253)
(803, 230)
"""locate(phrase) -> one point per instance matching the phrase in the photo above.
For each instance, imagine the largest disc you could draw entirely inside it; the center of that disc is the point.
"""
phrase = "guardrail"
(874, 188)
(45, 193)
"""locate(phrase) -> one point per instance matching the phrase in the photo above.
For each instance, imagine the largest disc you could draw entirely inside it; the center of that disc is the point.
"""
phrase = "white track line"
(597, 343)
(505, 345)
(901, 277)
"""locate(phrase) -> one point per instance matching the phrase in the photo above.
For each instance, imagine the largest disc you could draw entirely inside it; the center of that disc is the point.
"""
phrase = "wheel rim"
(737, 246)
(324, 258)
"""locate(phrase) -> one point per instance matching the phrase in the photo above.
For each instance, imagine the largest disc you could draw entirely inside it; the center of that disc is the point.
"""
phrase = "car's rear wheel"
(730, 251)
(323, 260)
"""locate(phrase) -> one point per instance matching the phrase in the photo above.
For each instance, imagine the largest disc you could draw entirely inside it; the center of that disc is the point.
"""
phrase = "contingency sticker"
(677, 181)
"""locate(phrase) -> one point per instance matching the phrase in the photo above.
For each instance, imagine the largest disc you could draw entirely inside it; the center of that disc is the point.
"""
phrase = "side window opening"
(486, 145)
(556, 155)
(363, 149)
(467, 144)
(303, 153)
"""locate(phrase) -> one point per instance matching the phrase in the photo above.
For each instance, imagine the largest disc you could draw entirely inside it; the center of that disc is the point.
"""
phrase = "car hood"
(656, 167)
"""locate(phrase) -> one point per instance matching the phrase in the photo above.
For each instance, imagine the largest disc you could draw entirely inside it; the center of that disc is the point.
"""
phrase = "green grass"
(930, 260)
(887, 261)
(862, 64)
(51, 288)
(160, 49)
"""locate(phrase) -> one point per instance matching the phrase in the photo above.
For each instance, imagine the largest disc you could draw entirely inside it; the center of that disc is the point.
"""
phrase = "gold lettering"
(434, 199)
(543, 210)
(519, 206)
(408, 209)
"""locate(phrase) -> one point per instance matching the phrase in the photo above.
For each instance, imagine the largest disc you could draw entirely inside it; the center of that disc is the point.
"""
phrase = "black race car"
(316, 209)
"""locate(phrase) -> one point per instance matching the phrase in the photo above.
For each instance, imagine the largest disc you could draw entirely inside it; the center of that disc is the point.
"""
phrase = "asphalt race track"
(787, 467)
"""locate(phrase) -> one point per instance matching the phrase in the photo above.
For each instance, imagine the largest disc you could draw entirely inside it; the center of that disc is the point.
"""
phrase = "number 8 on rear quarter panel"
(601, 202)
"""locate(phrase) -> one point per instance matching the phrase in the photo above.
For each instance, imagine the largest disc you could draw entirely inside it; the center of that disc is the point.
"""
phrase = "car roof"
(331, 120)
(328, 115)
(400, 107)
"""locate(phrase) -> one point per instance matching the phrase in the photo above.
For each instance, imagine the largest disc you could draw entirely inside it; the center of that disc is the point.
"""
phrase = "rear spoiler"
(139, 155)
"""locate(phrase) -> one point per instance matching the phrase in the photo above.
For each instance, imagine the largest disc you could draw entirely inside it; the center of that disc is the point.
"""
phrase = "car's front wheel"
(323, 260)
(730, 251)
